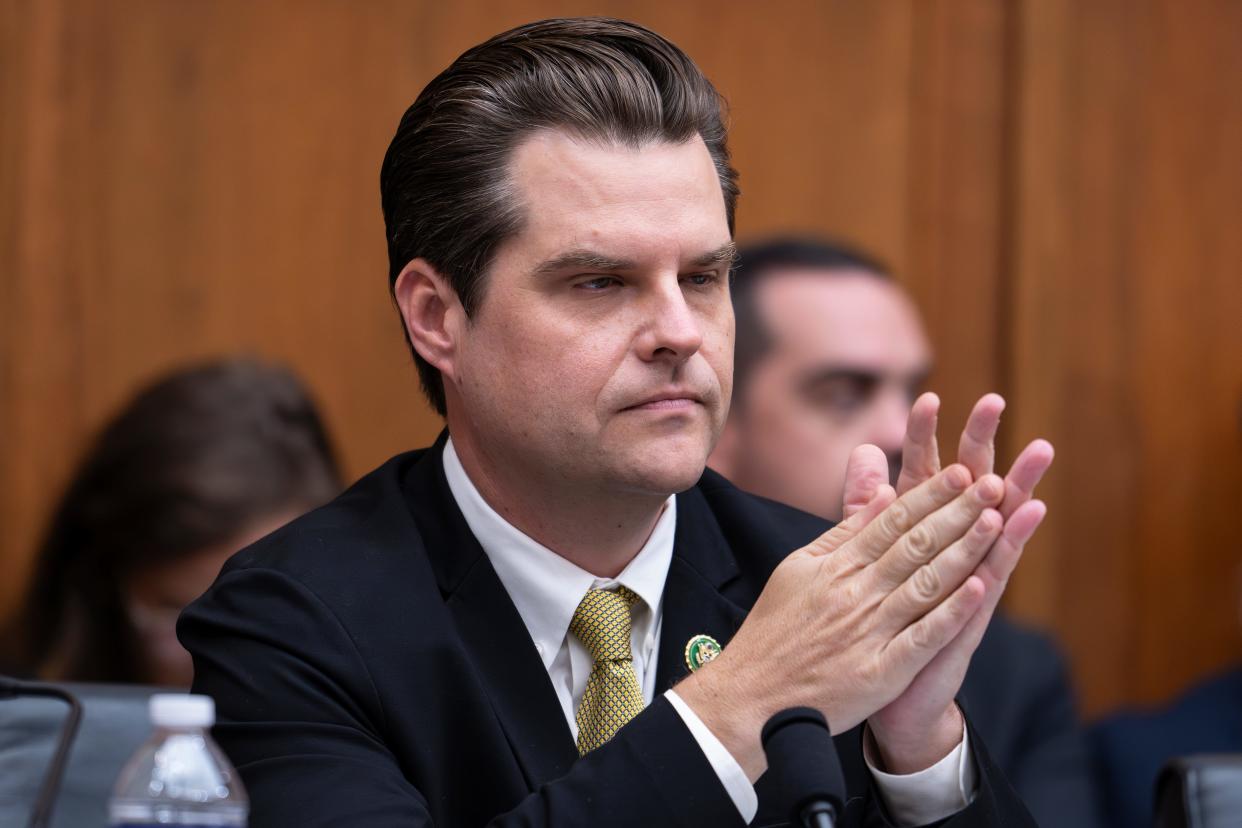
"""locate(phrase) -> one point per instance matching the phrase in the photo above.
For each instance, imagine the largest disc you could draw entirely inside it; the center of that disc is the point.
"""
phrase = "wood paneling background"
(1057, 182)
(1127, 332)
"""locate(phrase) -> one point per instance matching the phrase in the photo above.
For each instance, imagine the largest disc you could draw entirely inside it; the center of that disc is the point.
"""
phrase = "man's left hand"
(923, 724)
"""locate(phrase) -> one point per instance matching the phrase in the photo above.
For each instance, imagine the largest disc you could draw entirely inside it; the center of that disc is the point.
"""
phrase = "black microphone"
(805, 765)
(41, 815)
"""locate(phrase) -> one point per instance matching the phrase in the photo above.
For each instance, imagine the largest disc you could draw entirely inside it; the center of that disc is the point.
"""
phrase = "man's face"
(600, 358)
(848, 355)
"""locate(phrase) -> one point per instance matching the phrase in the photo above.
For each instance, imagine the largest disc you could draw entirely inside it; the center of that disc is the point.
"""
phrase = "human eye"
(702, 279)
(843, 396)
(596, 284)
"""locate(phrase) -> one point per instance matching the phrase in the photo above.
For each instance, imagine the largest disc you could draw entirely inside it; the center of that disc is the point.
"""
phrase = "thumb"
(865, 472)
(839, 535)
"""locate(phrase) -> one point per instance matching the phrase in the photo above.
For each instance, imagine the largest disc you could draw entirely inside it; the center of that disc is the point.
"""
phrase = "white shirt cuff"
(931, 794)
(730, 773)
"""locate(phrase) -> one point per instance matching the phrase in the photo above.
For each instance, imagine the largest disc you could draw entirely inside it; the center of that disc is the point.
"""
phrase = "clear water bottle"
(179, 776)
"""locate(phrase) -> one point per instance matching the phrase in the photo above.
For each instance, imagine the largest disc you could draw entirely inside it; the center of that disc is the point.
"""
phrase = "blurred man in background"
(1131, 747)
(830, 355)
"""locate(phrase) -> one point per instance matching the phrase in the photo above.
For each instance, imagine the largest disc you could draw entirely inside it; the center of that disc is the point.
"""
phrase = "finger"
(970, 636)
(919, 643)
(920, 456)
(942, 677)
(932, 582)
(1025, 474)
(865, 472)
(1001, 561)
(904, 513)
(935, 534)
(956, 654)
(977, 448)
(835, 537)
(994, 573)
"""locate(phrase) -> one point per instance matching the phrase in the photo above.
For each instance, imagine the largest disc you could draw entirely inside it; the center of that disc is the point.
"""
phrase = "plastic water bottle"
(179, 776)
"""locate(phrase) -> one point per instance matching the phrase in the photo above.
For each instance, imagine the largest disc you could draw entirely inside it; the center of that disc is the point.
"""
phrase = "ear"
(432, 313)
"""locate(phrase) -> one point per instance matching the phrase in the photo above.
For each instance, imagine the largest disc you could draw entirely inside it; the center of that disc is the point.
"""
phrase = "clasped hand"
(876, 619)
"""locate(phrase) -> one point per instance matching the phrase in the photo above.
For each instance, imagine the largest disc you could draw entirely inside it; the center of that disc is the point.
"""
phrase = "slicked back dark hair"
(756, 262)
(445, 185)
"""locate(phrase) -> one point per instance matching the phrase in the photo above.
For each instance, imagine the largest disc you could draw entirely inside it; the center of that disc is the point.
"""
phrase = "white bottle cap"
(181, 710)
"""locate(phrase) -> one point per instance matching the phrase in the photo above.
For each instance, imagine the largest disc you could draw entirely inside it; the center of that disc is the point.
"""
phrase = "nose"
(671, 329)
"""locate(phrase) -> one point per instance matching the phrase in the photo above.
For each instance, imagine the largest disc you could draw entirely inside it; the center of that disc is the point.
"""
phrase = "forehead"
(657, 200)
(843, 317)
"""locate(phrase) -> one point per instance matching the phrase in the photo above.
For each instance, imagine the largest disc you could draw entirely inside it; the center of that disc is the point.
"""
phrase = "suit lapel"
(493, 632)
(694, 604)
(514, 676)
(495, 636)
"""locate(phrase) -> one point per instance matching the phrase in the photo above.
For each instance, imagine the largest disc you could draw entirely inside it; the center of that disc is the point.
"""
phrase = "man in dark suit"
(831, 354)
(498, 630)
(1132, 746)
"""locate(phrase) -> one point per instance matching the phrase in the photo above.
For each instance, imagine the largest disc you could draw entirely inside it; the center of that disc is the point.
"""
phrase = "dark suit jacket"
(370, 670)
(1130, 748)
(1018, 696)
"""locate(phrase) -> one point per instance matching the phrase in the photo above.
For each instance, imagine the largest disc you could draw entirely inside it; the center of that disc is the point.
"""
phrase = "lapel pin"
(701, 649)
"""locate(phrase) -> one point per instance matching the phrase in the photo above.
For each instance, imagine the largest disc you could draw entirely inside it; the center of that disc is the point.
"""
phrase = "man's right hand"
(846, 623)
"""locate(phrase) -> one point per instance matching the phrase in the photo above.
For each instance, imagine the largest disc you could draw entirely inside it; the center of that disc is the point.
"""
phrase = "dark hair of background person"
(762, 259)
(191, 462)
(444, 185)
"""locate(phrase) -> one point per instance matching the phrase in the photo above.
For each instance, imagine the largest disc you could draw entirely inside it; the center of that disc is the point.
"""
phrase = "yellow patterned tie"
(612, 697)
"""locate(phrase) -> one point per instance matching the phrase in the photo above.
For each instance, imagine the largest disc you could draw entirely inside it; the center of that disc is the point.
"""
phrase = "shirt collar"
(546, 588)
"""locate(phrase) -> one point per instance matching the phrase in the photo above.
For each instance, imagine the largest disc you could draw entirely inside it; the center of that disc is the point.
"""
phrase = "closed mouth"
(667, 402)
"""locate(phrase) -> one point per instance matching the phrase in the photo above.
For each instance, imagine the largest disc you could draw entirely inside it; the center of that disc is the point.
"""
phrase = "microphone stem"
(41, 815)
(819, 815)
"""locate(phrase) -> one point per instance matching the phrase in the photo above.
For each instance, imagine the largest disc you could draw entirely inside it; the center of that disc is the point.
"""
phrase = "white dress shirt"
(546, 589)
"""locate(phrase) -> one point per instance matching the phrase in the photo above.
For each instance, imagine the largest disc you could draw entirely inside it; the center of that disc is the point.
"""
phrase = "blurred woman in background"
(200, 464)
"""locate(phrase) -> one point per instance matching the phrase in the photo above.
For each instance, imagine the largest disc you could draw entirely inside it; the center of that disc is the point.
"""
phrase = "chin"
(662, 471)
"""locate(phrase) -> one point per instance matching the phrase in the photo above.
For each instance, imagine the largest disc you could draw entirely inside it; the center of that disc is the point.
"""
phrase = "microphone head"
(803, 760)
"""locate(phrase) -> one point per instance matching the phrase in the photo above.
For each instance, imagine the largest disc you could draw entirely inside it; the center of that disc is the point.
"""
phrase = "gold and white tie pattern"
(612, 697)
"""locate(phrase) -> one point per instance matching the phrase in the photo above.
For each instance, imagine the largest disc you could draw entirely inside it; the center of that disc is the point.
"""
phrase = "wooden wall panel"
(1127, 350)
(191, 179)
(42, 384)
(1053, 180)
(957, 197)
(820, 112)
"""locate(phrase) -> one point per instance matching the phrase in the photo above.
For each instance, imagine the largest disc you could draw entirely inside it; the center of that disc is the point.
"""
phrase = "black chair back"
(1203, 791)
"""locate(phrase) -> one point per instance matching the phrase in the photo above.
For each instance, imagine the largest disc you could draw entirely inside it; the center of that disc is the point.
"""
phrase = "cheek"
(535, 372)
(720, 357)
(805, 436)
(718, 344)
(787, 419)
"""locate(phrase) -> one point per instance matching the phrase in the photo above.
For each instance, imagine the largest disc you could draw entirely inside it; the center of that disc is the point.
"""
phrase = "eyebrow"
(725, 253)
(583, 259)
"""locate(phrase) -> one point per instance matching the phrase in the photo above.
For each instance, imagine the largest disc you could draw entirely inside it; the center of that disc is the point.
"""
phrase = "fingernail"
(986, 524)
(988, 490)
(957, 478)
